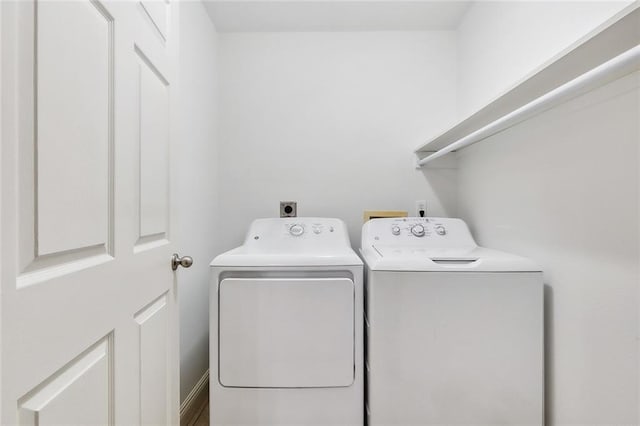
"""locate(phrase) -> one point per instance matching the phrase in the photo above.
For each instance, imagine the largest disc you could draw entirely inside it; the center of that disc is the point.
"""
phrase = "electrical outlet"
(421, 208)
(288, 209)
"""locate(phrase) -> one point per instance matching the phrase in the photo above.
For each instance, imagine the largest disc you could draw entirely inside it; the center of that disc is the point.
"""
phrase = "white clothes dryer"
(286, 335)
(454, 332)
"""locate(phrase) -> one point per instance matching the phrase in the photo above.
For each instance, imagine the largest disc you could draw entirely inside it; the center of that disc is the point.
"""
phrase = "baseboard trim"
(195, 401)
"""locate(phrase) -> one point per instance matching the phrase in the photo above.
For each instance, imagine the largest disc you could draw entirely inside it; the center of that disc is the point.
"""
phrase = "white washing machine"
(454, 332)
(286, 335)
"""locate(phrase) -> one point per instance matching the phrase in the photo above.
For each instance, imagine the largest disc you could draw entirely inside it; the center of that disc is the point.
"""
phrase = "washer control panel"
(416, 231)
(416, 227)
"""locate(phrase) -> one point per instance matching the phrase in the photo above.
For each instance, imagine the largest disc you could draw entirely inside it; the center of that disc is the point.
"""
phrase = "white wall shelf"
(609, 52)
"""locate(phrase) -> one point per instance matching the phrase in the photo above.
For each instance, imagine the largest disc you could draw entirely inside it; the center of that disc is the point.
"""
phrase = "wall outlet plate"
(288, 209)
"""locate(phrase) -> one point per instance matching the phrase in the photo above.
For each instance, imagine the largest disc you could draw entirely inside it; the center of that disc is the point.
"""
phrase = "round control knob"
(440, 230)
(296, 230)
(417, 230)
(395, 230)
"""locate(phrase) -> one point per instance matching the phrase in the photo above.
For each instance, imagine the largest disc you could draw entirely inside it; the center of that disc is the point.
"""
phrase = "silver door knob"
(184, 261)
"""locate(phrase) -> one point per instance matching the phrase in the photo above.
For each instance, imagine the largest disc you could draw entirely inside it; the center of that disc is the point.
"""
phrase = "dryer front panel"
(286, 333)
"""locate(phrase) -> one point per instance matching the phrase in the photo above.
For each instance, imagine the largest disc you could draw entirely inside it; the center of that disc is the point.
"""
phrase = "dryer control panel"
(417, 231)
(301, 227)
(297, 233)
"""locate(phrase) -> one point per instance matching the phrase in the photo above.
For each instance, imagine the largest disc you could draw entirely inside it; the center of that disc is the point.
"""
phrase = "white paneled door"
(88, 310)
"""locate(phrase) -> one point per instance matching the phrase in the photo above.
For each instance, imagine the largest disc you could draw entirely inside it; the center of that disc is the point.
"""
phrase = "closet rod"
(623, 64)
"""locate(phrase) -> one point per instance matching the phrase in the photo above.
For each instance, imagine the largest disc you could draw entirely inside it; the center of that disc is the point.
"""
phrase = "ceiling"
(335, 15)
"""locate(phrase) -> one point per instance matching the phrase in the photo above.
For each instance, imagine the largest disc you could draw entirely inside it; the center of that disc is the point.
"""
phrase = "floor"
(201, 416)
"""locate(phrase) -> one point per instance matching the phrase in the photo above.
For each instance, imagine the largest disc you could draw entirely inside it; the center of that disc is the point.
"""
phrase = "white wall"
(197, 224)
(331, 120)
(500, 42)
(563, 189)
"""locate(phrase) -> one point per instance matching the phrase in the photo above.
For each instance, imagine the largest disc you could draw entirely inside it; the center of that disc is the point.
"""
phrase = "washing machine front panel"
(455, 348)
(286, 332)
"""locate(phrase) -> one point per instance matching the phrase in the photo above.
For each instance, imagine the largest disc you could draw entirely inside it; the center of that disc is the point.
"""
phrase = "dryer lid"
(240, 257)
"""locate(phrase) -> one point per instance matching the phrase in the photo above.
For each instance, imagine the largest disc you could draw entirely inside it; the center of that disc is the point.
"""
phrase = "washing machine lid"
(297, 241)
(477, 259)
(432, 244)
